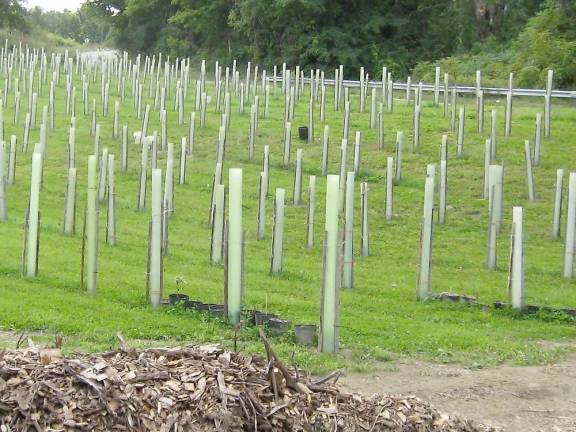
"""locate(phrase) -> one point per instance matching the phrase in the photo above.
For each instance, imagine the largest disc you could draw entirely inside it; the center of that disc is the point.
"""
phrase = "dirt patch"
(522, 399)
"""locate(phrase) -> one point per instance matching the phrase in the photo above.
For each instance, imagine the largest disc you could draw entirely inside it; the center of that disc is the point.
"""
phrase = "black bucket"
(303, 133)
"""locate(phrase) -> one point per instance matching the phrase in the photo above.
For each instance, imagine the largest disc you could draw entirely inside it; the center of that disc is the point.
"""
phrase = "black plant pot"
(253, 314)
(306, 334)
(303, 133)
(203, 307)
(278, 326)
(531, 308)
(216, 310)
(177, 298)
(261, 318)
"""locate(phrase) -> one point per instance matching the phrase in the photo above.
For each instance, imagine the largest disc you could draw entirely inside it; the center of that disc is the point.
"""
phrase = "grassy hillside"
(39, 38)
(379, 317)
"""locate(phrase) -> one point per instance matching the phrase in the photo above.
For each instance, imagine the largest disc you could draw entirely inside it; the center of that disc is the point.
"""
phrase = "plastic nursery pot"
(306, 334)
(531, 308)
(303, 132)
(278, 326)
(216, 310)
(177, 298)
(253, 314)
(261, 318)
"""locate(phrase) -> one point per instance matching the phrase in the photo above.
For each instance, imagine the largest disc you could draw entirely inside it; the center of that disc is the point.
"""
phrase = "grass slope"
(379, 316)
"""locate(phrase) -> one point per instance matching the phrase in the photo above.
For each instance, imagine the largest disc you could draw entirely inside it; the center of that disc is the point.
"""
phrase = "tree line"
(317, 33)
(407, 36)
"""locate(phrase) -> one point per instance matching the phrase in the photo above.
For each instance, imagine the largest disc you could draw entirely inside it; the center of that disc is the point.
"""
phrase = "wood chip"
(197, 388)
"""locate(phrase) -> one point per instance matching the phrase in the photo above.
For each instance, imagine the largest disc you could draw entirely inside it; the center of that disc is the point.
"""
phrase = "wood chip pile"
(198, 388)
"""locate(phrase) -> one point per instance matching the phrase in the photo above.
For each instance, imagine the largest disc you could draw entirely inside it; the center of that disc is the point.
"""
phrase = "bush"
(548, 41)
(462, 69)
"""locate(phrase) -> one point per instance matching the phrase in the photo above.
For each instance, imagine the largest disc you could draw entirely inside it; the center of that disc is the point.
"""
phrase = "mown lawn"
(380, 317)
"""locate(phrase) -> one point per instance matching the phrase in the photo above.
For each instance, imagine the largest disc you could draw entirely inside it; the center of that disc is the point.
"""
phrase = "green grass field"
(380, 317)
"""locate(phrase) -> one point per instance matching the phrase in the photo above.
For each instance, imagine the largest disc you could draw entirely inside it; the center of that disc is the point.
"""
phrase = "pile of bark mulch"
(197, 388)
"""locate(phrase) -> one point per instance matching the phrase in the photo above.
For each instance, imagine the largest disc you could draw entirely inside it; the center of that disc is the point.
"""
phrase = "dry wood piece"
(195, 388)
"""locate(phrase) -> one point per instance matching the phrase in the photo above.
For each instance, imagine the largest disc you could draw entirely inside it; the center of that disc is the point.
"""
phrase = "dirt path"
(516, 399)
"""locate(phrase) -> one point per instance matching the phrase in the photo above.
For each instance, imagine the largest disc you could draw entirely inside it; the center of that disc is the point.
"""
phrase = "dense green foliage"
(88, 23)
(409, 37)
(11, 13)
(547, 41)
(317, 33)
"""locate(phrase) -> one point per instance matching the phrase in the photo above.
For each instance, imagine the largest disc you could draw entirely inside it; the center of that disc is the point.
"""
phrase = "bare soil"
(516, 399)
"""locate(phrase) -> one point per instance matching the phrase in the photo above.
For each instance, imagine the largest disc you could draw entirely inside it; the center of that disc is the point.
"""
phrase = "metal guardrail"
(566, 94)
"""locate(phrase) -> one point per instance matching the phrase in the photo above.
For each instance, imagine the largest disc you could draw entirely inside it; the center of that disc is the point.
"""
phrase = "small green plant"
(180, 282)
